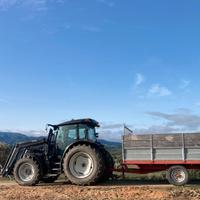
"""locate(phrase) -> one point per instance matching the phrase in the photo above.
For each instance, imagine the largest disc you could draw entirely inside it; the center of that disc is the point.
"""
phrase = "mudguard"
(96, 144)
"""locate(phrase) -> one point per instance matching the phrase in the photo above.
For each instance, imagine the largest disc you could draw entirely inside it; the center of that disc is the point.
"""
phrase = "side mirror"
(96, 135)
(46, 128)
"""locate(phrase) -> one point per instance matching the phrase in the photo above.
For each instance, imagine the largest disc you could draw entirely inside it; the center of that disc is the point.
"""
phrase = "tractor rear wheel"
(109, 165)
(27, 172)
(83, 165)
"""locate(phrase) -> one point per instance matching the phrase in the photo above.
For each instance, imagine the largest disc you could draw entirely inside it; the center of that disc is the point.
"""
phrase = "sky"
(118, 61)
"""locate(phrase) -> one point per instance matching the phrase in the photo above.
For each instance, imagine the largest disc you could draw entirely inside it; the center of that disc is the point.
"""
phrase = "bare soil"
(119, 189)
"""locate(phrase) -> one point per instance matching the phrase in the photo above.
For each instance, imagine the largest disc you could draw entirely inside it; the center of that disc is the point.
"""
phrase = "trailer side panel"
(162, 147)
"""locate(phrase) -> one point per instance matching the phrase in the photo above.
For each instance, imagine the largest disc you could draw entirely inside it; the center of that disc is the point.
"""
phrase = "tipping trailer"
(176, 153)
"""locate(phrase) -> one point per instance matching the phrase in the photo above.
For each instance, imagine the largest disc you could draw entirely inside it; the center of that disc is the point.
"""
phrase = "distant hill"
(12, 138)
(110, 144)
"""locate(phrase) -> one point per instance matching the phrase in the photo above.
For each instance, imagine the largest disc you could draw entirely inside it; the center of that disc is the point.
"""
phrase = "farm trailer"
(176, 153)
(72, 148)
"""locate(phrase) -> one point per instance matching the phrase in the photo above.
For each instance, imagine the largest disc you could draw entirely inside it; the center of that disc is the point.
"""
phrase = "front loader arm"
(17, 152)
(10, 161)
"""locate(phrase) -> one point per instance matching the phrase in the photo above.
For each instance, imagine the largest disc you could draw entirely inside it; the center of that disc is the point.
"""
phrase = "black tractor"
(71, 148)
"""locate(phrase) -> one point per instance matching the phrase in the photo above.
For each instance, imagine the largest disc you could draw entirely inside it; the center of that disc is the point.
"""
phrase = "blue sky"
(135, 62)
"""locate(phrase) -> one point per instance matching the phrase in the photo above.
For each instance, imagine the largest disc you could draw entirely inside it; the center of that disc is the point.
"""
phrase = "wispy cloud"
(184, 120)
(35, 133)
(197, 103)
(107, 2)
(139, 79)
(159, 90)
(67, 26)
(112, 126)
(92, 28)
(184, 84)
(39, 5)
(156, 129)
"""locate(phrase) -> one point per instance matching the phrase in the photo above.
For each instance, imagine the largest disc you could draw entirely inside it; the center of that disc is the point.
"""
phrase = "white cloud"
(158, 90)
(139, 79)
(38, 5)
(184, 84)
(111, 135)
(110, 131)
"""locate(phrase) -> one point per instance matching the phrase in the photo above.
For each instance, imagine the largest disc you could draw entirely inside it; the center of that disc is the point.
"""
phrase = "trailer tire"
(83, 165)
(27, 172)
(177, 175)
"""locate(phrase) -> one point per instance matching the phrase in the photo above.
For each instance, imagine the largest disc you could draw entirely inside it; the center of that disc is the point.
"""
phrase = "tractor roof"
(88, 121)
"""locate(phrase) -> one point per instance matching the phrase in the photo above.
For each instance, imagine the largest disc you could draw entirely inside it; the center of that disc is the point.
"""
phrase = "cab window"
(82, 131)
(65, 136)
(91, 134)
(86, 132)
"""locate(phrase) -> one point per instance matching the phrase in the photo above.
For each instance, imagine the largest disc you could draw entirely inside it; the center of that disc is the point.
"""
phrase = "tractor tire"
(177, 175)
(27, 172)
(83, 165)
(109, 165)
(50, 179)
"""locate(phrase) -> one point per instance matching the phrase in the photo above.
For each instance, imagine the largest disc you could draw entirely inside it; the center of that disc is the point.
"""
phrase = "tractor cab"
(64, 134)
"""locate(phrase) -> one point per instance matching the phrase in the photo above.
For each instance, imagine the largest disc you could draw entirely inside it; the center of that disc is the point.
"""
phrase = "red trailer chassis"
(145, 167)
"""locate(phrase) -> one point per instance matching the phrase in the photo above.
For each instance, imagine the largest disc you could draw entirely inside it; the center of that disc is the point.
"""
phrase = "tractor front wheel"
(27, 172)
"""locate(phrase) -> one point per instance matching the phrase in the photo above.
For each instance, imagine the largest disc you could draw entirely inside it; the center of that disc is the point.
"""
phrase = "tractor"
(71, 148)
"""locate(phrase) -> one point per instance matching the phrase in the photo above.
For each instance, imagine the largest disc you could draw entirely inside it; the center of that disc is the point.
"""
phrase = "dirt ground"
(119, 189)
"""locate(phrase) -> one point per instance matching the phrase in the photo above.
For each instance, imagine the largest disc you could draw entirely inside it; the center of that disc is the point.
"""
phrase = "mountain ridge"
(12, 138)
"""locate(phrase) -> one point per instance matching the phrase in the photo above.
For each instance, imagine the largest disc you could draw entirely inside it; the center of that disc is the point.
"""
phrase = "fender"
(94, 144)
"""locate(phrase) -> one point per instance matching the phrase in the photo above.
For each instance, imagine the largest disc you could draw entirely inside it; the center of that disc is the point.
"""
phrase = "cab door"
(66, 135)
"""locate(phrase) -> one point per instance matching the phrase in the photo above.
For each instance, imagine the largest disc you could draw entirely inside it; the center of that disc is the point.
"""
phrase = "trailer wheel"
(177, 175)
(83, 165)
(27, 172)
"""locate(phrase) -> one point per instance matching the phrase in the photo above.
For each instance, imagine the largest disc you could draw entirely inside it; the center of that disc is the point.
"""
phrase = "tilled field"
(112, 190)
